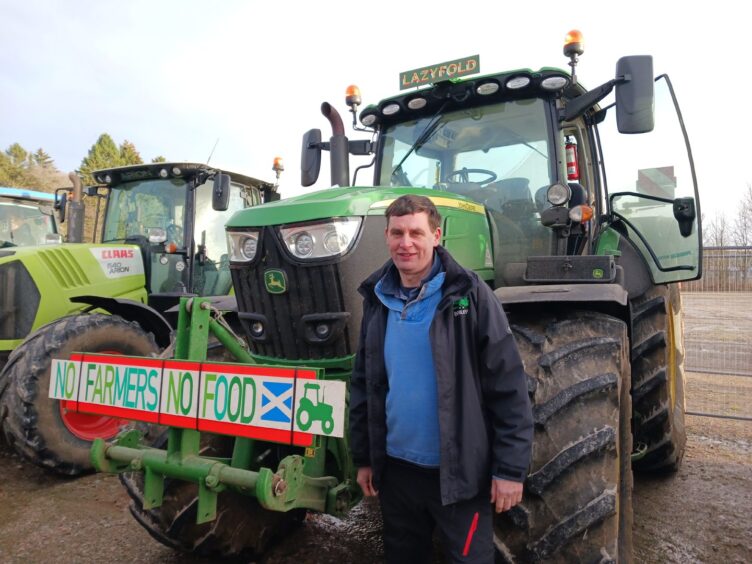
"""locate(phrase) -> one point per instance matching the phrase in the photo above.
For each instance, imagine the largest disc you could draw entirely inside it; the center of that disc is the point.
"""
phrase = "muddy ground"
(701, 514)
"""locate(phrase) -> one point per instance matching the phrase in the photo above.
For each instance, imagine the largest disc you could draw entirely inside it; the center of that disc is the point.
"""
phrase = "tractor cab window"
(24, 225)
(148, 207)
(497, 155)
(652, 193)
(212, 271)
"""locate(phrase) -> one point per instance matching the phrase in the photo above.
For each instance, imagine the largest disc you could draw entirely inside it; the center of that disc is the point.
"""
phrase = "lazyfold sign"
(284, 405)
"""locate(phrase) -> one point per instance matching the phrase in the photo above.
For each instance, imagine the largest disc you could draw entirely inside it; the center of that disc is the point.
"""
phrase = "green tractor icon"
(312, 408)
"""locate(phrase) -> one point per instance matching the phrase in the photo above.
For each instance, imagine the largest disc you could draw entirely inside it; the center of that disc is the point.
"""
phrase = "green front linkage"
(298, 482)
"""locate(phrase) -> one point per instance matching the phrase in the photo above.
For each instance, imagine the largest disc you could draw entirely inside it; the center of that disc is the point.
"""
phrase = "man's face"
(411, 242)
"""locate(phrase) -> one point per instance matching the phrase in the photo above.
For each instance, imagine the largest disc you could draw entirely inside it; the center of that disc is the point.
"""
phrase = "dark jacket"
(485, 418)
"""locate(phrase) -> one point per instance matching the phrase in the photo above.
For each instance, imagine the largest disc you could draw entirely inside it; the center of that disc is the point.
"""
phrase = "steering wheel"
(464, 175)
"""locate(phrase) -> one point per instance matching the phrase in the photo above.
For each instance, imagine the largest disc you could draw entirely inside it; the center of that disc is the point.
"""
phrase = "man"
(439, 411)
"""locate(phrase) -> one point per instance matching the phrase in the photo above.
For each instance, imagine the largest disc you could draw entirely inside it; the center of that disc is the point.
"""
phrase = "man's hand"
(365, 481)
(505, 494)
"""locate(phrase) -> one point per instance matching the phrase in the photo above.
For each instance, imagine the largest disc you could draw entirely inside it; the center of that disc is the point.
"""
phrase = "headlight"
(329, 238)
(558, 194)
(242, 246)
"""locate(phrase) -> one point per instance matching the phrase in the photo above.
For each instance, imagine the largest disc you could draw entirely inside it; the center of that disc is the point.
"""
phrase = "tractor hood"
(340, 202)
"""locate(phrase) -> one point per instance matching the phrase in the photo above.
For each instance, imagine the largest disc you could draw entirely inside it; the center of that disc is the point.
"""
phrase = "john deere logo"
(598, 273)
(275, 281)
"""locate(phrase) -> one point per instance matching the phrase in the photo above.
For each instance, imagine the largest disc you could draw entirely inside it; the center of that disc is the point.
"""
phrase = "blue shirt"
(412, 416)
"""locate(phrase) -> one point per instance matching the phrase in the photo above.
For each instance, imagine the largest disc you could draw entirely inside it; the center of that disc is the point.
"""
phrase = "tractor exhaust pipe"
(76, 211)
(338, 147)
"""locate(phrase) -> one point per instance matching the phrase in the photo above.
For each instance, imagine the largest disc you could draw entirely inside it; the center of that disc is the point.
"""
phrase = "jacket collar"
(457, 280)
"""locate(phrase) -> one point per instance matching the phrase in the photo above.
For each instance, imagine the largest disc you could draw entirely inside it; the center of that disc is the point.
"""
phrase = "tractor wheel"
(327, 425)
(304, 419)
(577, 502)
(243, 529)
(39, 428)
(658, 379)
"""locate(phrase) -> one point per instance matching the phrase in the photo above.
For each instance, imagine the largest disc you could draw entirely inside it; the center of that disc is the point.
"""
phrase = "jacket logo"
(461, 306)
(275, 281)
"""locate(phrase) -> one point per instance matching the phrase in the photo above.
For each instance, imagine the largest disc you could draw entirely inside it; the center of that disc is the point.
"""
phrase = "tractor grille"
(64, 268)
(19, 301)
(313, 293)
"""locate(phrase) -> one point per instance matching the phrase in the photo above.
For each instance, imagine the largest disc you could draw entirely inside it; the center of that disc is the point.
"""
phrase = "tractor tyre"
(577, 500)
(327, 425)
(304, 419)
(242, 530)
(39, 428)
(658, 380)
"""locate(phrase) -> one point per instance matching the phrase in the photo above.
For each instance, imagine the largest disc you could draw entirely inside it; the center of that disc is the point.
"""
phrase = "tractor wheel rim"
(89, 427)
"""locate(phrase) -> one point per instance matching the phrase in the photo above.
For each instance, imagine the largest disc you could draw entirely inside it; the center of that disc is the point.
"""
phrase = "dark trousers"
(411, 509)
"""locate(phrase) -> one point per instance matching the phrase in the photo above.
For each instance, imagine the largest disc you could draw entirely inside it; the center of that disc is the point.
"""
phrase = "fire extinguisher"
(573, 169)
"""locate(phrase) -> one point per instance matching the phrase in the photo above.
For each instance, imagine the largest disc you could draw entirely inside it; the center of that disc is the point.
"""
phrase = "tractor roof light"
(554, 83)
(369, 117)
(279, 165)
(573, 44)
(390, 109)
(573, 47)
(417, 103)
(352, 97)
(558, 194)
(518, 82)
(488, 88)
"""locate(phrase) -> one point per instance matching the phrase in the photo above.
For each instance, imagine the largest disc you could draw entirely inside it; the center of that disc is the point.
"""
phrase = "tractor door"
(652, 198)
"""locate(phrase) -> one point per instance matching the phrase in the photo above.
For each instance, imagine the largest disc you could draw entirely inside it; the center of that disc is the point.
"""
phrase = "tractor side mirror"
(310, 158)
(635, 96)
(685, 214)
(61, 201)
(221, 192)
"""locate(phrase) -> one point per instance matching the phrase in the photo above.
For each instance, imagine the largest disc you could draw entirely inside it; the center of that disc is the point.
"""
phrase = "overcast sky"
(173, 77)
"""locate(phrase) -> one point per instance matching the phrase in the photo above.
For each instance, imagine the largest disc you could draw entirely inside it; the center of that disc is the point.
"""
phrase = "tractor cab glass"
(24, 224)
(652, 192)
(497, 155)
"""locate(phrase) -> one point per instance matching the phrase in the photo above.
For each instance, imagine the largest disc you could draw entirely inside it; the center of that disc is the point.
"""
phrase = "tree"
(159, 159)
(41, 158)
(103, 154)
(18, 155)
(128, 154)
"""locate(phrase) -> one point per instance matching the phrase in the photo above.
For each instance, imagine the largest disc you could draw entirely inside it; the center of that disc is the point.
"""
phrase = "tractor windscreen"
(25, 224)
(498, 155)
(146, 207)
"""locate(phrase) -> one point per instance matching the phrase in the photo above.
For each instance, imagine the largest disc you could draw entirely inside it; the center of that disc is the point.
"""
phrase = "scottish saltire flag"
(276, 402)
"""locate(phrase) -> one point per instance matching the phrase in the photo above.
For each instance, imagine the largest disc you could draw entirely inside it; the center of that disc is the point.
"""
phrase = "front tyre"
(41, 429)
(577, 503)
(243, 530)
(658, 379)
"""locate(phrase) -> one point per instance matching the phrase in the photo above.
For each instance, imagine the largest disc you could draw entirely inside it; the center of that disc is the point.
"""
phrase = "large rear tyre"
(658, 379)
(39, 428)
(577, 503)
(242, 529)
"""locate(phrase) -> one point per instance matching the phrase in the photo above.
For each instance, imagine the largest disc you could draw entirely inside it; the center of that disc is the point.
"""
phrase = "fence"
(718, 335)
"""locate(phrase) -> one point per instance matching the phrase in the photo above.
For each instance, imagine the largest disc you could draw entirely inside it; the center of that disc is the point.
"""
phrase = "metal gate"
(718, 335)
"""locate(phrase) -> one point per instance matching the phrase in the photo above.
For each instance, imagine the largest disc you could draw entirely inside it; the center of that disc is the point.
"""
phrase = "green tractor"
(27, 218)
(312, 408)
(161, 238)
(582, 217)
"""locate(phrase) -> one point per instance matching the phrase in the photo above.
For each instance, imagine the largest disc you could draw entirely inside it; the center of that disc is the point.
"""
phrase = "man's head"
(412, 231)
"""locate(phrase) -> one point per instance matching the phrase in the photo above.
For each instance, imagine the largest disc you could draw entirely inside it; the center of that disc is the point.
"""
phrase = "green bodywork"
(59, 273)
(298, 481)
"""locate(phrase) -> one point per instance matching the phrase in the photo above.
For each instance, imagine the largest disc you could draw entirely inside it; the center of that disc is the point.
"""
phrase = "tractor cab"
(169, 211)
(27, 218)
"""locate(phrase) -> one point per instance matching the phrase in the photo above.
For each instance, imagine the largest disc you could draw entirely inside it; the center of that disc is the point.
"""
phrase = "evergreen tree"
(128, 154)
(103, 154)
(18, 155)
(41, 158)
